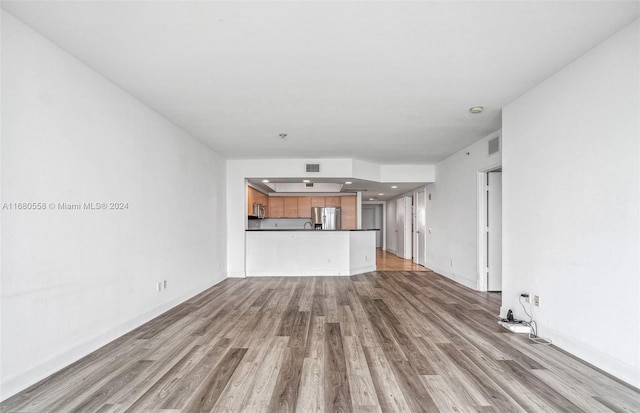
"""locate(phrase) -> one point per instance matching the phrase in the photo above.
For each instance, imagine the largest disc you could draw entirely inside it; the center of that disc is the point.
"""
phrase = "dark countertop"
(310, 230)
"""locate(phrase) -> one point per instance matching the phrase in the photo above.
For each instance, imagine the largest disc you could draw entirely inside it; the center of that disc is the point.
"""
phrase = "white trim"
(481, 233)
(416, 254)
(481, 227)
(457, 278)
(615, 367)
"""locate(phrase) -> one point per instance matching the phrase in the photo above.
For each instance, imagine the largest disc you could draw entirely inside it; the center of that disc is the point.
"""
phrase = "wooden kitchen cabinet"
(300, 206)
(276, 207)
(332, 201)
(349, 212)
(253, 195)
(317, 201)
(304, 206)
(290, 206)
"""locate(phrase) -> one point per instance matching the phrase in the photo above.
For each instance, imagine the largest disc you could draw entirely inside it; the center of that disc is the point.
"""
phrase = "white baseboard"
(14, 384)
(457, 278)
(623, 371)
(362, 270)
(236, 274)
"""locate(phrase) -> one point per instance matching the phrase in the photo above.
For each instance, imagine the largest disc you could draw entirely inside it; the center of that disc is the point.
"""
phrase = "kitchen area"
(306, 234)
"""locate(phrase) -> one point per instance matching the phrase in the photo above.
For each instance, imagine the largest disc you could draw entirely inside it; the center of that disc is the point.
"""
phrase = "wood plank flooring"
(388, 341)
(386, 261)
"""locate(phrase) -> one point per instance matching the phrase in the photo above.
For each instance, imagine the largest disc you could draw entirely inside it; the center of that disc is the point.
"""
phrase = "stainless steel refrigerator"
(326, 218)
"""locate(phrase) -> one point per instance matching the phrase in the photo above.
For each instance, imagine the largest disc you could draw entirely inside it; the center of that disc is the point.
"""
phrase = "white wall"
(571, 205)
(73, 280)
(452, 243)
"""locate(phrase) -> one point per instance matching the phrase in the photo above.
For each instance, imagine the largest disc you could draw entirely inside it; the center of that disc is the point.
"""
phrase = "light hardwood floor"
(386, 261)
(396, 341)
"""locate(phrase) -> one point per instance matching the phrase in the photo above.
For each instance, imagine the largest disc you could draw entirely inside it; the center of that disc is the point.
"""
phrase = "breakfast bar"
(309, 252)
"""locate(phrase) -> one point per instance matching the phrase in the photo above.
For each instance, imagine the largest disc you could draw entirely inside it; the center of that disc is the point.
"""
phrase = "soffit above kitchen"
(385, 82)
(370, 190)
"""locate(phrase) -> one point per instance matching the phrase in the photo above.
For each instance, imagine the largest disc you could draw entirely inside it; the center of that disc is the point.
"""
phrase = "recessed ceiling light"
(394, 186)
(372, 199)
(266, 181)
(380, 194)
(348, 183)
(306, 181)
(476, 109)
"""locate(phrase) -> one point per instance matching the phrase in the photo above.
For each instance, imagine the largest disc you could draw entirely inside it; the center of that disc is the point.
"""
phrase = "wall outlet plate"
(536, 300)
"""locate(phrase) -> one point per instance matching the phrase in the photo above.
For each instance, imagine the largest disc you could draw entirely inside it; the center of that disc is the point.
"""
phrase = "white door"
(392, 233)
(494, 231)
(421, 228)
(400, 219)
(404, 221)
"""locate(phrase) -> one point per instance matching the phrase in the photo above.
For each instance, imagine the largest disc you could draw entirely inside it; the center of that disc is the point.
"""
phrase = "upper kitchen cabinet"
(304, 207)
(290, 206)
(317, 201)
(255, 196)
(300, 206)
(332, 201)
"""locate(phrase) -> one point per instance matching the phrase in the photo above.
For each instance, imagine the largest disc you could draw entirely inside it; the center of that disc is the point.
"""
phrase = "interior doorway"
(490, 230)
(372, 219)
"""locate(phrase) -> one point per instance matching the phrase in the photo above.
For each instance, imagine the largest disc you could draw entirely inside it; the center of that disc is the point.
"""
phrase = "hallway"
(386, 261)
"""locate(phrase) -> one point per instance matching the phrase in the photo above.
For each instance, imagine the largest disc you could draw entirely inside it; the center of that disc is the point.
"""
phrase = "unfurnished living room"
(320, 206)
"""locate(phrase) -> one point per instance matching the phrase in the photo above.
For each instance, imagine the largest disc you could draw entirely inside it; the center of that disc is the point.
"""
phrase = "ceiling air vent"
(494, 145)
(313, 167)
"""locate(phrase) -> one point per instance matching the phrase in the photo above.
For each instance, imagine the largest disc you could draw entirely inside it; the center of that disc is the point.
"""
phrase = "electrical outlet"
(164, 284)
(536, 300)
(159, 287)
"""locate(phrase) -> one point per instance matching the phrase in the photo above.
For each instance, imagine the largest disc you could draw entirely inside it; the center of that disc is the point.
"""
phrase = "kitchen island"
(309, 252)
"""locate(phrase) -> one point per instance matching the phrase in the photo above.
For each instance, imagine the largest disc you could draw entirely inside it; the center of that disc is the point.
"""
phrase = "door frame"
(481, 229)
(383, 230)
(420, 235)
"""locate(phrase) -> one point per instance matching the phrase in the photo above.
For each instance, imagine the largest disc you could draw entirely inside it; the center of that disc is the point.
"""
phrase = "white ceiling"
(385, 82)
